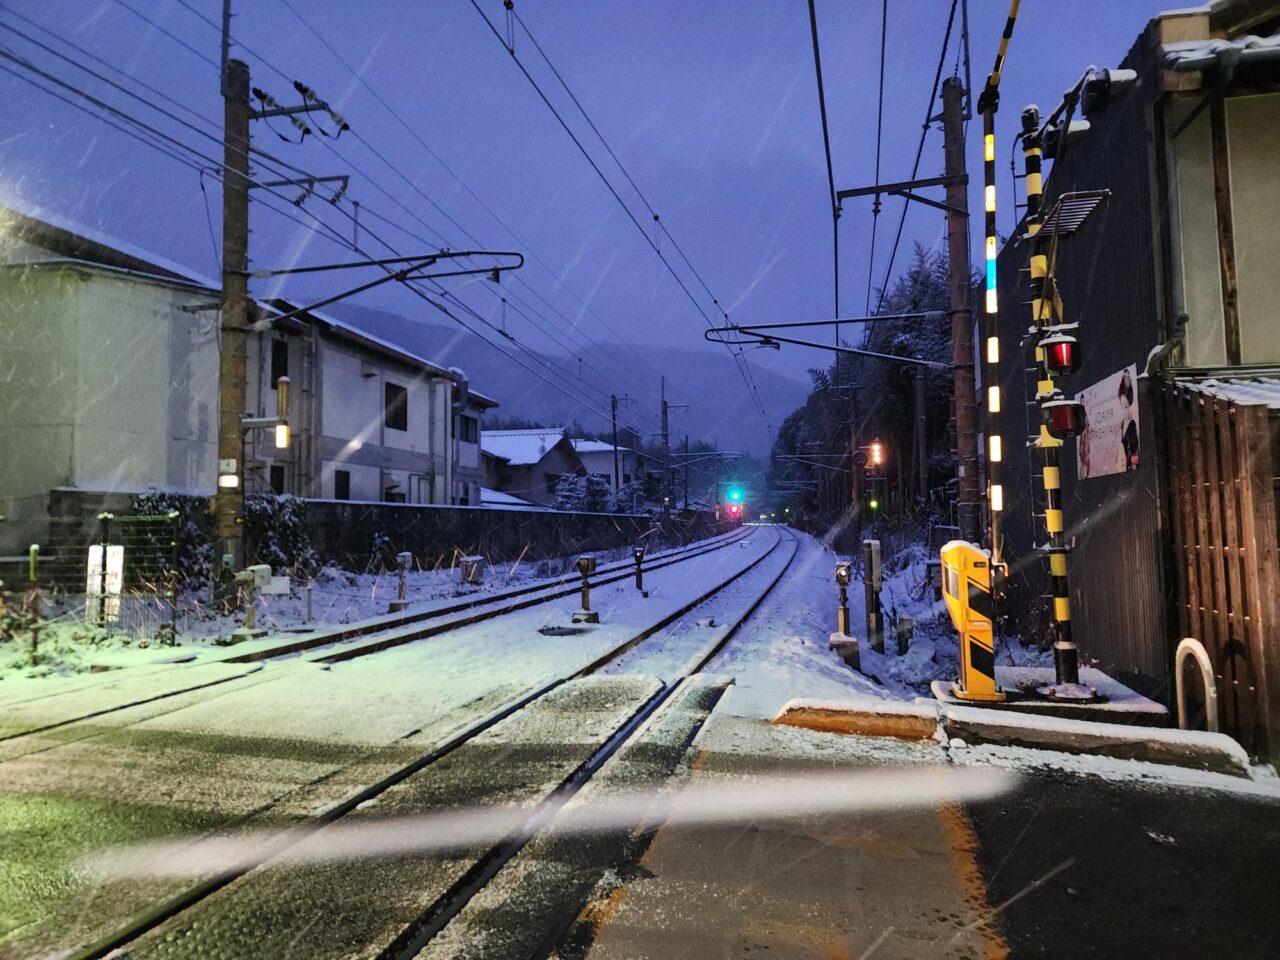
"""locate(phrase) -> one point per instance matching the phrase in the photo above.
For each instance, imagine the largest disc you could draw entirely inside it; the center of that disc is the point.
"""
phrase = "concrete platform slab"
(1119, 704)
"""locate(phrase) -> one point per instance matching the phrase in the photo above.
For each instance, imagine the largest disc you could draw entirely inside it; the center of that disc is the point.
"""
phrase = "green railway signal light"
(735, 494)
(873, 503)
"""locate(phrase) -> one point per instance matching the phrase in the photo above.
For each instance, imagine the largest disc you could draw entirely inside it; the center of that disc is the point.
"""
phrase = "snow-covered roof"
(596, 446)
(521, 447)
(73, 242)
(1192, 55)
(65, 237)
(1250, 390)
(74, 263)
(353, 334)
(499, 499)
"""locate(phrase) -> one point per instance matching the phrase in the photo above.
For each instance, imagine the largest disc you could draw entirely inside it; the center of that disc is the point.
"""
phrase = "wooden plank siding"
(1223, 534)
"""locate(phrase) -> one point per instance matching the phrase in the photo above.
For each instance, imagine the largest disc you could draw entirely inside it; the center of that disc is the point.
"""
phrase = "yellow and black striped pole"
(1046, 312)
(973, 578)
(988, 104)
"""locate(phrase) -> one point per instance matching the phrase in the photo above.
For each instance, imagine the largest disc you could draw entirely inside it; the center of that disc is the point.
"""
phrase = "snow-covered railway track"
(344, 643)
(168, 923)
(379, 633)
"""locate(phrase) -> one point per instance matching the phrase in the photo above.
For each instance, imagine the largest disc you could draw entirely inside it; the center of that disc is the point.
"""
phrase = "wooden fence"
(1222, 459)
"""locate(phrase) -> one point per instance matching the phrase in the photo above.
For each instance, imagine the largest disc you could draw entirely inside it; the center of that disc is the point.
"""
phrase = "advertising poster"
(1109, 443)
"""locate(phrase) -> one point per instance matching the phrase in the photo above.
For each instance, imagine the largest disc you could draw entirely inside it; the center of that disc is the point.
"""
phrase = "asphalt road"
(1079, 866)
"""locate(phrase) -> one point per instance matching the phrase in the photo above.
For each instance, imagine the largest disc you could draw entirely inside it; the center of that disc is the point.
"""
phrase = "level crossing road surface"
(1076, 858)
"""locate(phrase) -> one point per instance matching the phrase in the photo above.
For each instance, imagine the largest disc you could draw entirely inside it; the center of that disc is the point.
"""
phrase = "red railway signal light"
(1064, 418)
(1061, 355)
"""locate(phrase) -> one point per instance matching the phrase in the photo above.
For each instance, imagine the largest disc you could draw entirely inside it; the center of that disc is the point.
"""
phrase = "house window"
(396, 407)
(393, 496)
(626, 478)
(277, 478)
(279, 360)
(342, 484)
(470, 430)
(553, 481)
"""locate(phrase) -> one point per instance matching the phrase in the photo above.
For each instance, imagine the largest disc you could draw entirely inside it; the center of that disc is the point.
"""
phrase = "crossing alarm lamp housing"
(1064, 418)
(1061, 353)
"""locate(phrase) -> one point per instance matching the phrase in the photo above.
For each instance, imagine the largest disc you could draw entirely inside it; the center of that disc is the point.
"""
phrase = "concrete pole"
(966, 413)
(229, 501)
(686, 471)
(666, 453)
(617, 475)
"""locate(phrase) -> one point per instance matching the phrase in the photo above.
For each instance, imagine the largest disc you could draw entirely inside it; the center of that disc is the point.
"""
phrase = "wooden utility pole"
(922, 454)
(966, 413)
(232, 374)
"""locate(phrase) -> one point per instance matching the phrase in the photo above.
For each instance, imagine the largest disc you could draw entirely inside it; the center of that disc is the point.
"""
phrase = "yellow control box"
(966, 587)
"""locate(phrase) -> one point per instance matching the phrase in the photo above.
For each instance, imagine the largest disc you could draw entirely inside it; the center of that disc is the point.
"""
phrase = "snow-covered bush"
(277, 533)
(194, 532)
(571, 492)
(598, 497)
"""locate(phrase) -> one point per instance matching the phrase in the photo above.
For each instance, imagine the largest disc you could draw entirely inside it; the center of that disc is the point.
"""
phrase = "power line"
(831, 179)
(170, 146)
(449, 170)
(751, 386)
(742, 368)
(875, 207)
(189, 126)
(533, 323)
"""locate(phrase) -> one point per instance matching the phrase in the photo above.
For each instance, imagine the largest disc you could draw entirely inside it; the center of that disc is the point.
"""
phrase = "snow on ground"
(66, 644)
(782, 654)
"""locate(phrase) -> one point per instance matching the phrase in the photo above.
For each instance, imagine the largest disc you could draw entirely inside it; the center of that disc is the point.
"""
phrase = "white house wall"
(116, 391)
(1197, 238)
(147, 388)
(1253, 147)
(38, 373)
(356, 439)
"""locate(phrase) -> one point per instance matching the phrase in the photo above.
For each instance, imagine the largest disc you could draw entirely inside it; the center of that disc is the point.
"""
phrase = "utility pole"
(617, 476)
(922, 455)
(666, 453)
(232, 373)
(968, 507)
(686, 471)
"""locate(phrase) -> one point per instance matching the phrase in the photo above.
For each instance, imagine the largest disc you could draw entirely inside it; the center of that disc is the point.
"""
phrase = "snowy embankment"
(783, 653)
(62, 642)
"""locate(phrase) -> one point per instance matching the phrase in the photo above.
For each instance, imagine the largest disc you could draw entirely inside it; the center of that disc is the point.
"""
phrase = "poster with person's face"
(1109, 443)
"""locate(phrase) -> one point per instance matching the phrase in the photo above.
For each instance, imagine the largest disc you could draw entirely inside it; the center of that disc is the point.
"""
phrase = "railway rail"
(381, 633)
(146, 933)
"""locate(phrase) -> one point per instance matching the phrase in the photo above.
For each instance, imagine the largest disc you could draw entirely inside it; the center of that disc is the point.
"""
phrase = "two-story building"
(598, 457)
(109, 385)
(529, 463)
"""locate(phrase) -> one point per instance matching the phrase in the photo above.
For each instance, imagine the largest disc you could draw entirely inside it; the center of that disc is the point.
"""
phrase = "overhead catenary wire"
(915, 169)
(372, 91)
(743, 368)
(621, 369)
(831, 178)
(151, 132)
(175, 149)
(255, 150)
(875, 207)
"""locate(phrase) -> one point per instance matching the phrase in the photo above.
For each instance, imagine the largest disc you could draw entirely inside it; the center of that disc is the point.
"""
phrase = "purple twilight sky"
(712, 107)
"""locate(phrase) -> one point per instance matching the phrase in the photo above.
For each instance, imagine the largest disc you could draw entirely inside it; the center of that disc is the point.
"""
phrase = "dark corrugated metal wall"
(1107, 279)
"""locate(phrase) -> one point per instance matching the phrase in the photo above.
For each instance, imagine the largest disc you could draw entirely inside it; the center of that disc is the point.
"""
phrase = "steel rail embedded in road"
(198, 892)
